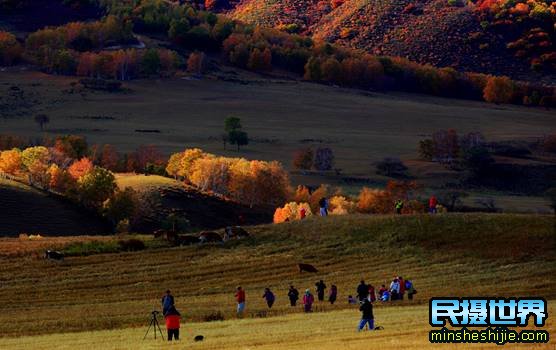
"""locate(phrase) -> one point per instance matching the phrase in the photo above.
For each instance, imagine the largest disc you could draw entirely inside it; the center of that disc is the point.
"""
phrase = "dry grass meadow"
(404, 327)
(452, 254)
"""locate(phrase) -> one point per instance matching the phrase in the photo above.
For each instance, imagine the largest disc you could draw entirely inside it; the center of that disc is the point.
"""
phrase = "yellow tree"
(10, 161)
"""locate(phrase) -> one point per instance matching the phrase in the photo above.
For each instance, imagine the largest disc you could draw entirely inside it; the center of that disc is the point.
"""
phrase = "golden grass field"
(405, 327)
(452, 254)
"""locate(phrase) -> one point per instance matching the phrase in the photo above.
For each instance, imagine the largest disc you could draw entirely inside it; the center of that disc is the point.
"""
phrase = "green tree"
(151, 62)
(121, 205)
(232, 124)
(238, 137)
(96, 187)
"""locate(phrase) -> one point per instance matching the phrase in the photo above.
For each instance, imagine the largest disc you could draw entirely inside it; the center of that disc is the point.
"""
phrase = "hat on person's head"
(167, 291)
(307, 290)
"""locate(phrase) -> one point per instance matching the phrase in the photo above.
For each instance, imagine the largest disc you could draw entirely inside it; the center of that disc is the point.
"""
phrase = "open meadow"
(279, 115)
(404, 327)
(452, 254)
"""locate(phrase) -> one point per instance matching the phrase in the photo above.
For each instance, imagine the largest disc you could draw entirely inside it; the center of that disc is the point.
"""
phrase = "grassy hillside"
(280, 117)
(165, 196)
(437, 32)
(27, 210)
(405, 327)
(444, 255)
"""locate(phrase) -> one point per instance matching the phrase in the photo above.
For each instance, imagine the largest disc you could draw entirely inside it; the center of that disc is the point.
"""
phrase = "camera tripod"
(155, 325)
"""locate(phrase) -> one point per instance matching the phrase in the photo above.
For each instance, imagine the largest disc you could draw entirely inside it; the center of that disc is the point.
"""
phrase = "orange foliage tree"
(10, 161)
(80, 168)
(10, 49)
(498, 90)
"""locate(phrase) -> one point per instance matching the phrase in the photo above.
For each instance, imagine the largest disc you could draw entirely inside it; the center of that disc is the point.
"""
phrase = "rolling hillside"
(444, 255)
(26, 210)
(429, 31)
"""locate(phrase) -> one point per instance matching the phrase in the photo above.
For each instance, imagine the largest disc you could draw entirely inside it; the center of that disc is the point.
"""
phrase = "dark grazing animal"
(54, 255)
(199, 338)
(187, 240)
(234, 232)
(209, 237)
(307, 268)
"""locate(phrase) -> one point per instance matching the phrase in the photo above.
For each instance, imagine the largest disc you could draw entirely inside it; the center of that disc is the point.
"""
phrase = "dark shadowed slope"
(26, 210)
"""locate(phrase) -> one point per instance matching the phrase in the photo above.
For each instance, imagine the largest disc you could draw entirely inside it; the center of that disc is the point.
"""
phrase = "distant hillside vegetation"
(438, 32)
(26, 210)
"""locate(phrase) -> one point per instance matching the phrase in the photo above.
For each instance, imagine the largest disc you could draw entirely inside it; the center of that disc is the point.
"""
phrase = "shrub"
(291, 211)
(341, 205)
(373, 201)
(392, 167)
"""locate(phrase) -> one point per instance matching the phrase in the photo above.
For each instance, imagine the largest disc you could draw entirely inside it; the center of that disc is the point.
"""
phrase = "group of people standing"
(366, 296)
(396, 291)
(307, 298)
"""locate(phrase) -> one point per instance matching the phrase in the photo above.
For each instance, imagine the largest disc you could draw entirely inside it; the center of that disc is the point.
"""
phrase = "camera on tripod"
(154, 324)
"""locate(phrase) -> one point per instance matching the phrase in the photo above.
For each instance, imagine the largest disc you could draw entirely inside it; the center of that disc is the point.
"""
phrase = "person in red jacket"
(372, 294)
(240, 298)
(402, 287)
(172, 318)
(432, 204)
(308, 300)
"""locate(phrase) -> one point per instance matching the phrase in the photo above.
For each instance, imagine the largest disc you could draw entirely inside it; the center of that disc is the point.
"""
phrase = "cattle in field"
(209, 237)
(307, 268)
(54, 255)
(234, 232)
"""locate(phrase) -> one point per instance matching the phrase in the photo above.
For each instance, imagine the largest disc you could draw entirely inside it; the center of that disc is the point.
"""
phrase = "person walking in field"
(433, 202)
(367, 317)
(321, 287)
(240, 299)
(333, 295)
(308, 300)
(172, 318)
(399, 206)
(302, 213)
(293, 295)
(362, 291)
(167, 301)
(269, 297)
(323, 205)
